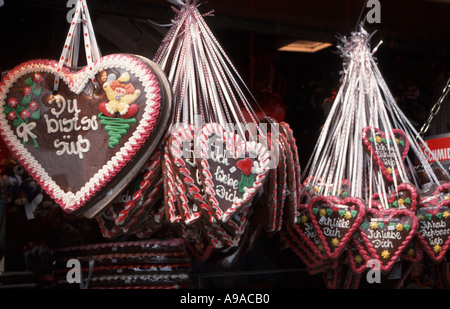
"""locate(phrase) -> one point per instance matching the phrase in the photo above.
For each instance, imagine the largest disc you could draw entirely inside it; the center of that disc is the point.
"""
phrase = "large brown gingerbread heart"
(83, 144)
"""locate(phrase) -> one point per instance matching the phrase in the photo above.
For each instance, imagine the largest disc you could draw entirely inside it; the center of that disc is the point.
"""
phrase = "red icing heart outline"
(369, 147)
(71, 201)
(403, 187)
(386, 215)
(330, 202)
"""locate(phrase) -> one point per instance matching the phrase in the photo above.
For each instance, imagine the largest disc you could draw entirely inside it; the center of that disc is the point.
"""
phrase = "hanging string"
(70, 52)
(205, 83)
(363, 100)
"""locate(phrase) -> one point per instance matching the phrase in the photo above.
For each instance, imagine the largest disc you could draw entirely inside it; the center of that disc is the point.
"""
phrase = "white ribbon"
(70, 52)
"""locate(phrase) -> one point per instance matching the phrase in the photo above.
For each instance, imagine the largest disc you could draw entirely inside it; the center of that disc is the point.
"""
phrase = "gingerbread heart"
(386, 234)
(388, 154)
(227, 188)
(83, 142)
(313, 186)
(304, 228)
(356, 250)
(335, 221)
(404, 196)
(440, 194)
(434, 229)
(181, 150)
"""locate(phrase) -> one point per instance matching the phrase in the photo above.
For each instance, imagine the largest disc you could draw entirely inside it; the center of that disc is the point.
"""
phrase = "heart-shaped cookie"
(404, 196)
(356, 251)
(386, 234)
(388, 154)
(227, 188)
(335, 221)
(83, 144)
(434, 229)
(440, 194)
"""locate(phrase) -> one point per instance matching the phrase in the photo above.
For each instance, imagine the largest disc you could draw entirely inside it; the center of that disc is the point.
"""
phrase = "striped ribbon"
(70, 53)
(206, 86)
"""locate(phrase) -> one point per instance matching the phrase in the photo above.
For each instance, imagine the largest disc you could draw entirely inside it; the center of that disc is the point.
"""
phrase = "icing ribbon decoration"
(69, 55)
(24, 130)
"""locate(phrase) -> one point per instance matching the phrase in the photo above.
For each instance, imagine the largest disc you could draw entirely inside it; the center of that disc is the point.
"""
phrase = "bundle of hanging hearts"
(227, 174)
(362, 201)
(85, 135)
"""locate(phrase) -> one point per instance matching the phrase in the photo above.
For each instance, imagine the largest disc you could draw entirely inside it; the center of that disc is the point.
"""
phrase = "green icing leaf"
(36, 115)
(315, 210)
(371, 139)
(364, 225)
(402, 143)
(329, 211)
(428, 216)
(381, 224)
(28, 81)
(439, 215)
(37, 92)
(407, 227)
(26, 100)
(354, 213)
(384, 140)
(408, 200)
(17, 122)
(395, 204)
(341, 212)
(7, 109)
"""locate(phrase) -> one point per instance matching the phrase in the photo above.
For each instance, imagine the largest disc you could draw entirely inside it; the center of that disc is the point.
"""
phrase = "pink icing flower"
(25, 114)
(38, 78)
(13, 102)
(33, 106)
(27, 91)
(12, 115)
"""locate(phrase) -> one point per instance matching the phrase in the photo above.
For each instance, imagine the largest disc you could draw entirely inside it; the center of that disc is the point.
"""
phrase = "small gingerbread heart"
(388, 153)
(335, 221)
(434, 229)
(404, 196)
(227, 189)
(386, 234)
